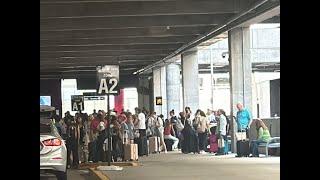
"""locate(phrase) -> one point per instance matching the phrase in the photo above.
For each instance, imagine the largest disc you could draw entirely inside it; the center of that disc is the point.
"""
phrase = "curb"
(94, 165)
(98, 175)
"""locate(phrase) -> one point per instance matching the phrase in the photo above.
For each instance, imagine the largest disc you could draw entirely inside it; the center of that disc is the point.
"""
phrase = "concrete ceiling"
(77, 35)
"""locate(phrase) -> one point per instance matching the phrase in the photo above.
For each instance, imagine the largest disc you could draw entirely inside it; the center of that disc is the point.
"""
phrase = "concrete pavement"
(72, 175)
(176, 165)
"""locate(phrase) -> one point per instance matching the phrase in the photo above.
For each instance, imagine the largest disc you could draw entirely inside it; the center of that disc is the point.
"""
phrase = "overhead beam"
(125, 22)
(263, 16)
(275, 19)
(258, 11)
(44, 54)
(110, 47)
(134, 40)
(150, 8)
(87, 1)
(123, 33)
(105, 58)
(84, 68)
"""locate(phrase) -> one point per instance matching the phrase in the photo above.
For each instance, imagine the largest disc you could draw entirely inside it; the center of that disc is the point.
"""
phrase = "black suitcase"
(243, 148)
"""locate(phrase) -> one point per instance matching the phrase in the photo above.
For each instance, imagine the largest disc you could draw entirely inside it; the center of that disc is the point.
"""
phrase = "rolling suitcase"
(130, 152)
(154, 146)
(243, 148)
(213, 143)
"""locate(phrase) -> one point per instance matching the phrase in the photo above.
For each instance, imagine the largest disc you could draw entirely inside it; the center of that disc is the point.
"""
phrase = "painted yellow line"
(121, 164)
(98, 174)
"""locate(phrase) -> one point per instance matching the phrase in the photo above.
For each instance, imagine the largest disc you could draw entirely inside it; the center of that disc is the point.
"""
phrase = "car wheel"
(61, 175)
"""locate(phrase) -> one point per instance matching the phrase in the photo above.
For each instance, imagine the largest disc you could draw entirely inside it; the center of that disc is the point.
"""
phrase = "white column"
(173, 87)
(240, 72)
(190, 80)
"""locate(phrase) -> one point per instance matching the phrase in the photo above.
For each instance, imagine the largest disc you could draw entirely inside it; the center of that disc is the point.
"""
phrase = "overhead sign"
(77, 103)
(158, 100)
(89, 93)
(108, 80)
(90, 98)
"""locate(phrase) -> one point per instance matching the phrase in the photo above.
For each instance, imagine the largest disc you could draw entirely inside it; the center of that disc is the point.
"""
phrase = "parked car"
(53, 151)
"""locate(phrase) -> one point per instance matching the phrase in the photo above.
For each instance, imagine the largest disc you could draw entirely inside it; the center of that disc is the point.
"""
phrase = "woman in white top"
(222, 130)
(202, 127)
(159, 129)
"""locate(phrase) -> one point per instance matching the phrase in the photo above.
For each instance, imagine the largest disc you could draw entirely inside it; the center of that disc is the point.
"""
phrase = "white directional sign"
(108, 80)
(77, 103)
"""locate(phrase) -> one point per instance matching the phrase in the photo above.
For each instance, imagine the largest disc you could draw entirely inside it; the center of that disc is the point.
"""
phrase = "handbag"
(220, 143)
(179, 126)
(148, 132)
(241, 136)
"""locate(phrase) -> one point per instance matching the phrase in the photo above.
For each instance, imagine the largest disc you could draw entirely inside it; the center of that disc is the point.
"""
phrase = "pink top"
(167, 130)
(95, 124)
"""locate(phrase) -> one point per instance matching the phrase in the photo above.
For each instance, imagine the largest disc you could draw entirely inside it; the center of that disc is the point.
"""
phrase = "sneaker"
(165, 152)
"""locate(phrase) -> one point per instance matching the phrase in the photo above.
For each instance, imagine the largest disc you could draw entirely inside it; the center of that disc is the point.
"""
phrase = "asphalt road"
(72, 175)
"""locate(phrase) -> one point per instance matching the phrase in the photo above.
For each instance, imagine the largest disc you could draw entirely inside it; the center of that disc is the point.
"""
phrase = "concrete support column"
(240, 73)
(163, 82)
(190, 80)
(143, 93)
(156, 73)
(173, 87)
(159, 90)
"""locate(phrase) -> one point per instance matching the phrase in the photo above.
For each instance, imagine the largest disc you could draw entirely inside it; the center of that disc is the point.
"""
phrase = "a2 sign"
(108, 80)
(107, 83)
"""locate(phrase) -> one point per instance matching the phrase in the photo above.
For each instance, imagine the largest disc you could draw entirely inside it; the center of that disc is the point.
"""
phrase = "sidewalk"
(175, 165)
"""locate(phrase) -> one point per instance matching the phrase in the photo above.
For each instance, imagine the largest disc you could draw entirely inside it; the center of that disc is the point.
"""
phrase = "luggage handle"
(242, 134)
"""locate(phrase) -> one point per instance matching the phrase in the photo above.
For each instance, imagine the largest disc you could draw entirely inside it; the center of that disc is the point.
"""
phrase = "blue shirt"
(243, 119)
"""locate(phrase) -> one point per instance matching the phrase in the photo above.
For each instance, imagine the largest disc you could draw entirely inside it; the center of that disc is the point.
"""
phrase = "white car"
(53, 151)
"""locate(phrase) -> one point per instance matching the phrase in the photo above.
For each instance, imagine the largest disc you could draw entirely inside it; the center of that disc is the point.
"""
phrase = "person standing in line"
(189, 116)
(130, 126)
(64, 128)
(173, 119)
(150, 124)
(141, 123)
(135, 122)
(222, 131)
(202, 127)
(244, 119)
(81, 148)
(73, 141)
(159, 131)
(212, 117)
(90, 138)
(101, 137)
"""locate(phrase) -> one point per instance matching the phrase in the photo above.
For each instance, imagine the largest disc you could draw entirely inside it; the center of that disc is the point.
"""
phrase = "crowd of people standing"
(86, 135)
